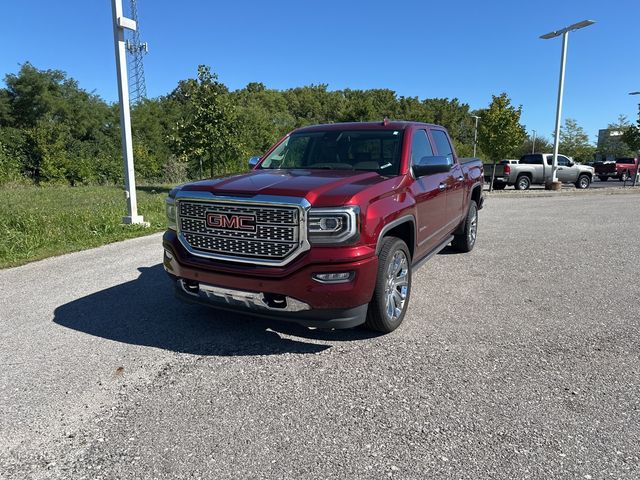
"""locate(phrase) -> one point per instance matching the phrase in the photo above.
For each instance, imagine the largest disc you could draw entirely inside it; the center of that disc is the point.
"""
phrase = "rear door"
(455, 180)
(429, 192)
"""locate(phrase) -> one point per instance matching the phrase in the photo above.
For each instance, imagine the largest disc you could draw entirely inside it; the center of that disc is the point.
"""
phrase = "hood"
(319, 187)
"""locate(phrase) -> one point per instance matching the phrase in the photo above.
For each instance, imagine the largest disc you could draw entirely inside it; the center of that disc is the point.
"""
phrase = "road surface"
(518, 360)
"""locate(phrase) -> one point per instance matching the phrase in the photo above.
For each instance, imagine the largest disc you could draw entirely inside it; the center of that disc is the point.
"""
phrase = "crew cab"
(536, 168)
(327, 227)
(620, 168)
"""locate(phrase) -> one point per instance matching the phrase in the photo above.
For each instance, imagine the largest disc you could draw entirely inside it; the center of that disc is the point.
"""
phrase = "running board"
(433, 252)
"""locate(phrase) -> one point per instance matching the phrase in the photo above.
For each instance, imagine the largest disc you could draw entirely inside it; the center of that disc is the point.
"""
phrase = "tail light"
(507, 169)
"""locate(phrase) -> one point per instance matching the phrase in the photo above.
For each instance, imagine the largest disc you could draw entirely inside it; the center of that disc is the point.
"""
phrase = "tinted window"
(533, 159)
(442, 144)
(625, 160)
(562, 161)
(420, 147)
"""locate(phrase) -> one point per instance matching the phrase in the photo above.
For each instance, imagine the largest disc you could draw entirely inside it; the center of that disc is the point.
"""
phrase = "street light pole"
(533, 146)
(635, 177)
(120, 23)
(475, 135)
(554, 184)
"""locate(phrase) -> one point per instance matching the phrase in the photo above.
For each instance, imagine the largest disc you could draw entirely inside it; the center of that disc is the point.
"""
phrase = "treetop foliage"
(53, 131)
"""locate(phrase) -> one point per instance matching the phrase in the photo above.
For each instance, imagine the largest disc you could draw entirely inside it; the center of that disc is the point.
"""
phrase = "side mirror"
(431, 165)
(253, 161)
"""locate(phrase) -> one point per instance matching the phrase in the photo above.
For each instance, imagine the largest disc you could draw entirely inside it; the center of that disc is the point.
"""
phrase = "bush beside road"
(522, 363)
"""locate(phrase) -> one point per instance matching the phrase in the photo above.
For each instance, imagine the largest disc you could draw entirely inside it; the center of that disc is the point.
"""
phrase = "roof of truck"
(383, 125)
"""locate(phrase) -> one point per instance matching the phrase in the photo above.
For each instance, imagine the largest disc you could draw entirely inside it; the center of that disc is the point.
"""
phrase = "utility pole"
(533, 146)
(120, 23)
(475, 135)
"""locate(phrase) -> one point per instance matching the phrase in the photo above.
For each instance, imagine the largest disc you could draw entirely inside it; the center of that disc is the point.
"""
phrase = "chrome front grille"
(272, 234)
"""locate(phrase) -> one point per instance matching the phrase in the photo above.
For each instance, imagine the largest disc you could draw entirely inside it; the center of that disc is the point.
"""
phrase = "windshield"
(368, 150)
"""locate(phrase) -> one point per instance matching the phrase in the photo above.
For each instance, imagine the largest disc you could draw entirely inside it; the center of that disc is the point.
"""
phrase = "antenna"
(137, 50)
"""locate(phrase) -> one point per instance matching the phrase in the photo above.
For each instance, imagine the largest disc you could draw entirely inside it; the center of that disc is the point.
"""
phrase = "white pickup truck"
(535, 169)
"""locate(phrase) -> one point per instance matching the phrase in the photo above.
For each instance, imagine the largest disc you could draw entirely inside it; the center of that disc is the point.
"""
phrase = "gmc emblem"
(231, 222)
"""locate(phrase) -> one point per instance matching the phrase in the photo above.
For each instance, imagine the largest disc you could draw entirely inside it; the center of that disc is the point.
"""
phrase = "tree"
(500, 133)
(612, 145)
(574, 142)
(542, 145)
(208, 133)
(631, 137)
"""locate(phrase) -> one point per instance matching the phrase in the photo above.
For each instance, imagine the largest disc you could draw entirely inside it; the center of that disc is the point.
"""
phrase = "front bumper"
(287, 293)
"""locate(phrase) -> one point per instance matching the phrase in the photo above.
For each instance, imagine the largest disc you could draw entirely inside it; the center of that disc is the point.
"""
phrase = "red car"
(327, 227)
(621, 168)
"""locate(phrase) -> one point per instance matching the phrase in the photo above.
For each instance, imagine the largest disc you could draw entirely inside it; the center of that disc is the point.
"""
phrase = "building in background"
(610, 145)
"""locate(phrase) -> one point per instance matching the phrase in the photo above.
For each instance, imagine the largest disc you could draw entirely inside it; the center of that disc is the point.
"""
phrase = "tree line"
(52, 131)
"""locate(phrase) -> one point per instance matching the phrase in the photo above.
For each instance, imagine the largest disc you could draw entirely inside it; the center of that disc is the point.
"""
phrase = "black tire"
(583, 182)
(499, 185)
(383, 314)
(523, 182)
(603, 179)
(624, 176)
(466, 239)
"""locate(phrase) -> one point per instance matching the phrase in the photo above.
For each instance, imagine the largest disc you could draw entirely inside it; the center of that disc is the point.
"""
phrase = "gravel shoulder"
(518, 360)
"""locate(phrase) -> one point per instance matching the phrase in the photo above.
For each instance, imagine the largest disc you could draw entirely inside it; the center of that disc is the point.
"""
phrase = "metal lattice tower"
(137, 50)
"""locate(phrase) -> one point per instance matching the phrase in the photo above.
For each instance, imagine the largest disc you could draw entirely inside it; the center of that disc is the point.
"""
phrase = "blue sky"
(464, 49)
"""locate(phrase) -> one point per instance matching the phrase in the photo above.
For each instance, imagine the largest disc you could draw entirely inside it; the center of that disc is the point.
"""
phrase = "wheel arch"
(403, 228)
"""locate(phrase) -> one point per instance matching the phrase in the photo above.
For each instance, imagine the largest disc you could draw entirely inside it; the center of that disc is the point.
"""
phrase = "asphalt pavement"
(518, 360)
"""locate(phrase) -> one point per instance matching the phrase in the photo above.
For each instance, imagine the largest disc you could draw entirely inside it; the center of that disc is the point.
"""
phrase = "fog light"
(333, 277)
(168, 254)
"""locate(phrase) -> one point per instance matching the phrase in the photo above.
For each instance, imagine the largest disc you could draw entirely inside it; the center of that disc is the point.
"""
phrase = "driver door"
(430, 194)
(566, 172)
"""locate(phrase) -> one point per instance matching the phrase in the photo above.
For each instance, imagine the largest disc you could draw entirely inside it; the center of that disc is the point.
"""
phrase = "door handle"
(460, 178)
(442, 186)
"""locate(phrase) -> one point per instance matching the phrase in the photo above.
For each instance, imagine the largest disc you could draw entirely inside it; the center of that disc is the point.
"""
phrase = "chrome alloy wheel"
(473, 228)
(396, 285)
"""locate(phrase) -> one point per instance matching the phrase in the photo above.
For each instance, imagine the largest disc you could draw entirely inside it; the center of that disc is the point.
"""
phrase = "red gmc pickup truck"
(327, 227)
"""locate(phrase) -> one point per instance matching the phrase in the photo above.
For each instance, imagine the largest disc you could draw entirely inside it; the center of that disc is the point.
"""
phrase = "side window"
(420, 146)
(532, 159)
(442, 144)
(563, 161)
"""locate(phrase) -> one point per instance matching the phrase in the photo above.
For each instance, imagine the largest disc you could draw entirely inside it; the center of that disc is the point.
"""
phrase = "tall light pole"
(120, 23)
(635, 177)
(475, 135)
(533, 146)
(554, 184)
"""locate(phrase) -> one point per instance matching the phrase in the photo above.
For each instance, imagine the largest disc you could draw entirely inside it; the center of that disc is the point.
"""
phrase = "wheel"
(603, 179)
(624, 176)
(583, 182)
(499, 185)
(466, 239)
(523, 182)
(393, 287)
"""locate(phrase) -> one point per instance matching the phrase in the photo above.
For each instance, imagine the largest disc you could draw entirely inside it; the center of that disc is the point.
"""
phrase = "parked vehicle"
(535, 169)
(327, 227)
(620, 168)
(500, 167)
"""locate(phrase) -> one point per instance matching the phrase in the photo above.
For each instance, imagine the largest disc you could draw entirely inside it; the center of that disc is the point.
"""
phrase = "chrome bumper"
(240, 298)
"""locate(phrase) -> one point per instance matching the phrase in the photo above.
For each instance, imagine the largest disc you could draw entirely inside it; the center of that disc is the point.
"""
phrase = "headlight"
(172, 217)
(333, 225)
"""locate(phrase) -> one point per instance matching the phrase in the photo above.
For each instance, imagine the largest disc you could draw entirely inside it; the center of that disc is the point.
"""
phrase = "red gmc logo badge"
(231, 222)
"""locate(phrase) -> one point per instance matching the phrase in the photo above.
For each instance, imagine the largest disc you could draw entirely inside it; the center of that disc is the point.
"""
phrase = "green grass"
(39, 222)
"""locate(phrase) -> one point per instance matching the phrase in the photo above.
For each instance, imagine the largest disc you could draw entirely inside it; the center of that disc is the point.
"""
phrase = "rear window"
(533, 159)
